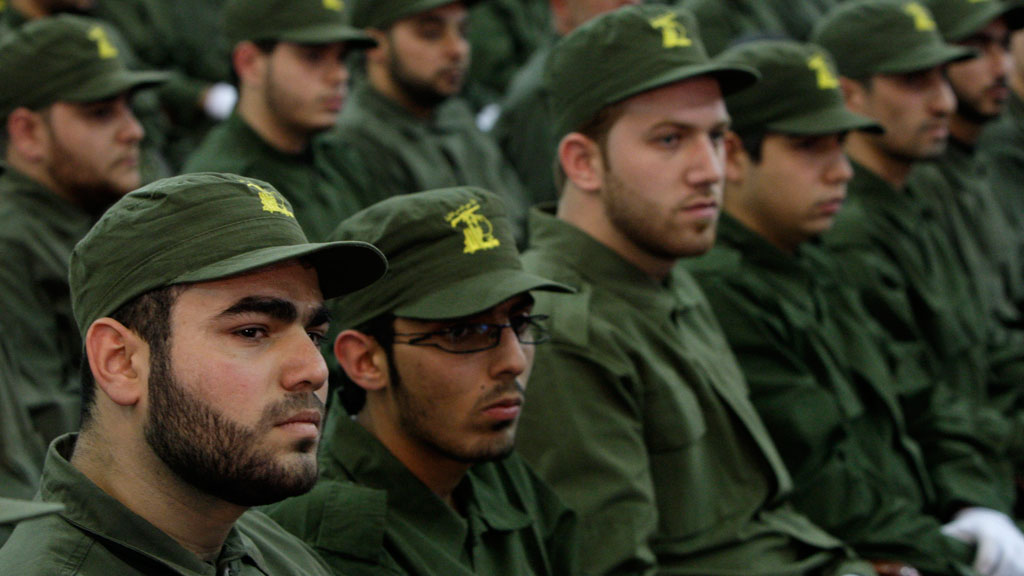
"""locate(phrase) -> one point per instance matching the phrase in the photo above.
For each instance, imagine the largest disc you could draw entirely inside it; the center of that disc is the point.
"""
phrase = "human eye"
(251, 332)
(430, 30)
(317, 336)
(668, 139)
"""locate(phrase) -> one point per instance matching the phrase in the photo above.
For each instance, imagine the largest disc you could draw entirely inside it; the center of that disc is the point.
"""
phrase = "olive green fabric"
(185, 38)
(38, 230)
(798, 92)
(895, 252)
(503, 35)
(404, 153)
(383, 13)
(1002, 149)
(21, 447)
(725, 23)
(13, 511)
(959, 19)
(904, 38)
(370, 515)
(451, 253)
(640, 419)
(321, 194)
(881, 454)
(97, 535)
(197, 228)
(623, 53)
(299, 21)
(525, 131)
(64, 58)
(976, 226)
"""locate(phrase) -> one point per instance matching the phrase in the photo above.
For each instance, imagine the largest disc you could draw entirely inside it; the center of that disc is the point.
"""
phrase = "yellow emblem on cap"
(673, 34)
(272, 203)
(923, 21)
(826, 78)
(336, 5)
(478, 231)
(104, 46)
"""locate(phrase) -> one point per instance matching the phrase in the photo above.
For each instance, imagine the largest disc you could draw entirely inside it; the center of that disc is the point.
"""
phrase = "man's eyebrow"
(320, 315)
(276, 308)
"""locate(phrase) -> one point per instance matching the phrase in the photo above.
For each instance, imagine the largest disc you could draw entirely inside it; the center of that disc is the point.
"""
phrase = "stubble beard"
(420, 92)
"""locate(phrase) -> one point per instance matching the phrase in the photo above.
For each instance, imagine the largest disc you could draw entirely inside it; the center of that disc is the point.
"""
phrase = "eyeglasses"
(468, 337)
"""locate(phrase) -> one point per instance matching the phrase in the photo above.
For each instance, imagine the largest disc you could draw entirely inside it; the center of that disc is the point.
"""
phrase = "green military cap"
(626, 52)
(63, 58)
(383, 13)
(959, 19)
(299, 21)
(798, 93)
(869, 37)
(451, 253)
(14, 511)
(197, 228)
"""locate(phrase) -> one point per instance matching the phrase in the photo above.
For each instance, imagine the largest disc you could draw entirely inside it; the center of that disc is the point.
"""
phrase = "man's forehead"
(694, 100)
(454, 10)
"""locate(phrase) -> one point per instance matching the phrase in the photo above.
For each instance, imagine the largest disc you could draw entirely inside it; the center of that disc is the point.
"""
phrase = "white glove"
(220, 100)
(1000, 545)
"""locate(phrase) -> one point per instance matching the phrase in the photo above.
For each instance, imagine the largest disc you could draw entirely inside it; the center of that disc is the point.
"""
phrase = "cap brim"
(16, 510)
(926, 57)
(824, 121)
(488, 290)
(327, 34)
(982, 15)
(110, 85)
(342, 267)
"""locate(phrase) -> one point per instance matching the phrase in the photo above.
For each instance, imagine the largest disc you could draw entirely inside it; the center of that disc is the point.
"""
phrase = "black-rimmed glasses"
(468, 337)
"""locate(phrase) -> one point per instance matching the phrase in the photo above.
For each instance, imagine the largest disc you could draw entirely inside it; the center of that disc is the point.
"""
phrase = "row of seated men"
(770, 325)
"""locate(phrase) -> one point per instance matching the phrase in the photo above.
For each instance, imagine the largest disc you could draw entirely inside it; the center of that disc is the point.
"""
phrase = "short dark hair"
(382, 329)
(753, 143)
(149, 316)
(597, 129)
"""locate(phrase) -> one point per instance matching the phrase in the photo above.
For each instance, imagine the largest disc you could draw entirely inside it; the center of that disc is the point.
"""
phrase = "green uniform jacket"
(1002, 146)
(185, 38)
(97, 535)
(38, 230)
(319, 193)
(368, 515)
(406, 154)
(525, 133)
(891, 247)
(639, 417)
(22, 450)
(822, 379)
(976, 226)
(503, 34)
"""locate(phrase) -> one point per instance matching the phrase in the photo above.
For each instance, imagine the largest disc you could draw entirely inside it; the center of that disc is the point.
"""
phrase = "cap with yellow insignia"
(626, 52)
(196, 228)
(298, 21)
(63, 58)
(869, 37)
(382, 13)
(451, 253)
(798, 93)
(959, 19)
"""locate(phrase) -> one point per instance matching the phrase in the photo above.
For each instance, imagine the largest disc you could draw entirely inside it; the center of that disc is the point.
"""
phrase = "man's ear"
(27, 135)
(736, 159)
(363, 359)
(380, 53)
(854, 94)
(248, 61)
(119, 360)
(582, 161)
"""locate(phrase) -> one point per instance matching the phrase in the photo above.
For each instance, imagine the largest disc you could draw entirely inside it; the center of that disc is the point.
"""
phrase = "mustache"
(290, 405)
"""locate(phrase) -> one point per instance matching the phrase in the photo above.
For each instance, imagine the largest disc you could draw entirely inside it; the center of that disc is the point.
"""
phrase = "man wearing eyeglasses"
(421, 478)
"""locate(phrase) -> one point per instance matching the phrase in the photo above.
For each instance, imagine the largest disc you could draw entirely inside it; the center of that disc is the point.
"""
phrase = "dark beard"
(216, 455)
(421, 93)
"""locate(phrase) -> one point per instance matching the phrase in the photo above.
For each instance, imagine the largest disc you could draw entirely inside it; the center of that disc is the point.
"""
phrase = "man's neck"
(886, 166)
(965, 130)
(270, 129)
(133, 475)
(440, 474)
(588, 215)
